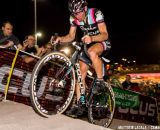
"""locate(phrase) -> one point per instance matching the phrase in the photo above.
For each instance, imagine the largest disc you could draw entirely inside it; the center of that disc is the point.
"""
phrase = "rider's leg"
(94, 52)
(83, 68)
(76, 110)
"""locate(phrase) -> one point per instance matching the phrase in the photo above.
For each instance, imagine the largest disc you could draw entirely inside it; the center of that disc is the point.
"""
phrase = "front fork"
(60, 81)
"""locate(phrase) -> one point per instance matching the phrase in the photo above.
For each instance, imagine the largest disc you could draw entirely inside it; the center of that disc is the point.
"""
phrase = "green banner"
(126, 98)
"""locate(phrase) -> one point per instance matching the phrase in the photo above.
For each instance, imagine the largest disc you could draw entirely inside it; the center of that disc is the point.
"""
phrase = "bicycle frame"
(79, 78)
(76, 65)
(61, 87)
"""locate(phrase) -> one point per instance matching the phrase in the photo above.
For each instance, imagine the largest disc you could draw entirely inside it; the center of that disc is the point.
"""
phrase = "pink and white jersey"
(93, 17)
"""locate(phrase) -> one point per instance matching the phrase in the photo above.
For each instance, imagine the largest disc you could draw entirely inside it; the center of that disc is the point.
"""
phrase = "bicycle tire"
(101, 107)
(50, 94)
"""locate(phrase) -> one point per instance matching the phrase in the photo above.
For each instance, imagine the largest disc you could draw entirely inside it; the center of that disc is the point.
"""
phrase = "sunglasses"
(76, 13)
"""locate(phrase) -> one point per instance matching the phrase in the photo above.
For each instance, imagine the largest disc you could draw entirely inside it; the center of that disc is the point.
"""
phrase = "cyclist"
(91, 22)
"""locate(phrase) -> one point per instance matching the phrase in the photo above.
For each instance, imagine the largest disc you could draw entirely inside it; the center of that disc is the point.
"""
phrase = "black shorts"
(106, 47)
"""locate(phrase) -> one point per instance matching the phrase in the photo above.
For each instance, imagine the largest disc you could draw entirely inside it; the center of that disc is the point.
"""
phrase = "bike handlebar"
(79, 45)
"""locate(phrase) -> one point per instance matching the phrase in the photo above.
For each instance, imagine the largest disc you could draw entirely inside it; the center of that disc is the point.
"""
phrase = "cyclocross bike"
(53, 86)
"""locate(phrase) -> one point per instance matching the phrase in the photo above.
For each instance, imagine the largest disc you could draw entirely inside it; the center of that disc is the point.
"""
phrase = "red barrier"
(20, 81)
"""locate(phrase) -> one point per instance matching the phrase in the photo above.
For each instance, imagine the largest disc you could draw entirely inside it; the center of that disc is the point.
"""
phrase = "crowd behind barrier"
(148, 85)
(130, 105)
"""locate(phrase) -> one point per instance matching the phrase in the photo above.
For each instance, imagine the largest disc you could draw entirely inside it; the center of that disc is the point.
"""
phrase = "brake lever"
(53, 41)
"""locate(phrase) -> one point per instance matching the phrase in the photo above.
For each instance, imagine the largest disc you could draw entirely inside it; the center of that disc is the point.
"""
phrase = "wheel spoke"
(51, 92)
(101, 108)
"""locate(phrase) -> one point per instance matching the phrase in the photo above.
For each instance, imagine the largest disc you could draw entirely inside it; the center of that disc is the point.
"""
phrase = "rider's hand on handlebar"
(55, 40)
(87, 39)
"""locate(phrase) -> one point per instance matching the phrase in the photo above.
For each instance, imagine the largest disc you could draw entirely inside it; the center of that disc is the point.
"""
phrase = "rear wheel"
(52, 84)
(101, 107)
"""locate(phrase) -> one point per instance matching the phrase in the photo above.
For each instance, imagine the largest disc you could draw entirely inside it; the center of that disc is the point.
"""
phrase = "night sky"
(133, 26)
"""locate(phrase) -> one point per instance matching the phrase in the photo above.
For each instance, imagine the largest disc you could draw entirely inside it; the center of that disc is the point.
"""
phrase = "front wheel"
(52, 84)
(101, 107)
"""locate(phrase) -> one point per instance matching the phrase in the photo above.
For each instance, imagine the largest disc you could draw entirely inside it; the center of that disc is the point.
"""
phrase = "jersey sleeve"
(99, 16)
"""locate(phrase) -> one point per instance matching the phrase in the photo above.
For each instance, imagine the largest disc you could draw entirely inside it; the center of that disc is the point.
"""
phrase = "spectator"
(30, 47)
(29, 44)
(127, 84)
(7, 39)
(115, 80)
(48, 47)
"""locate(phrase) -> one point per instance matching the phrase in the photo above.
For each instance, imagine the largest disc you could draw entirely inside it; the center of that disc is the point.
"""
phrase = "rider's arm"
(101, 27)
(9, 44)
(103, 33)
(70, 36)
(19, 46)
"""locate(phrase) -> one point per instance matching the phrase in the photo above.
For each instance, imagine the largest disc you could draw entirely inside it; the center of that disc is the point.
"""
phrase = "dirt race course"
(16, 116)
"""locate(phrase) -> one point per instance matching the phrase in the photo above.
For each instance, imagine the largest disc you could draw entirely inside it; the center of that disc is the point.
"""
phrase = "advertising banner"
(129, 105)
(126, 98)
(146, 112)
